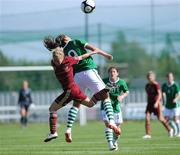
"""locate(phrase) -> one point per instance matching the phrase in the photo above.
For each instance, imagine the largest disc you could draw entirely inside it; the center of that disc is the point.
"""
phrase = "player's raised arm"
(85, 55)
(99, 51)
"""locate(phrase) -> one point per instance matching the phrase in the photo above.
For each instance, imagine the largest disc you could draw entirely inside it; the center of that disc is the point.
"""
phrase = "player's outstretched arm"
(99, 51)
(85, 55)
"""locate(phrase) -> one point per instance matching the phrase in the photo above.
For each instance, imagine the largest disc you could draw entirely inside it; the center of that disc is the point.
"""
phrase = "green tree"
(125, 51)
(167, 63)
(3, 60)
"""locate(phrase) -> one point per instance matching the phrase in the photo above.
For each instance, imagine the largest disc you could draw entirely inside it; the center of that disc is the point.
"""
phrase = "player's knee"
(87, 102)
(147, 118)
(101, 95)
(161, 119)
(166, 118)
(77, 105)
(91, 104)
(53, 107)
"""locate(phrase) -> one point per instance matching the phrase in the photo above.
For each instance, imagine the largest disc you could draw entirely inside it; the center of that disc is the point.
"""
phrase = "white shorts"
(172, 112)
(89, 79)
(117, 117)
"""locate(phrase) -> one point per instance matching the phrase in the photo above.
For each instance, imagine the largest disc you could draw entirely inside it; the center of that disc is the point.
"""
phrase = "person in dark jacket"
(24, 102)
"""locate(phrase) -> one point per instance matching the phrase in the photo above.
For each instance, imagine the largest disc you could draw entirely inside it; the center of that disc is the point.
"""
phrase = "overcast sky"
(22, 6)
(43, 14)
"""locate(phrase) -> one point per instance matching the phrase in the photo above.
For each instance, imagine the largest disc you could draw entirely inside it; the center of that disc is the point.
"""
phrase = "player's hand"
(120, 98)
(174, 101)
(156, 105)
(109, 56)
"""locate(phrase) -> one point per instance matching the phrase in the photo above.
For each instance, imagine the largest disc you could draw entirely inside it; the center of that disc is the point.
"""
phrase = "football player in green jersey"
(118, 92)
(171, 98)
(86, 76)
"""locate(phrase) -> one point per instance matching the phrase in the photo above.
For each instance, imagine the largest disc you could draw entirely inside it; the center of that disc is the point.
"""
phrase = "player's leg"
(108, 132)
(147, 125)
(72, 114)
(91, 79)
(71, 119)
(118, 120)
(176, 120)
(26, 115)
(168, 115)
(73, 111)
(164, 121)
(116, 137)
(95, 84)
(23, 114)
(59, 102)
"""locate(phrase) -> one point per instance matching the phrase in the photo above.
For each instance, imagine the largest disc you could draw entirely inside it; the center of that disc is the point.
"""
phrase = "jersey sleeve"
(158, 87)
(81, 43)
(124, 87)
(72, 60)
(177, 88)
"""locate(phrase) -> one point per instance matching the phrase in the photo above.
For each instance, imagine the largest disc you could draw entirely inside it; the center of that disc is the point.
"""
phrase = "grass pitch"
(87, 140)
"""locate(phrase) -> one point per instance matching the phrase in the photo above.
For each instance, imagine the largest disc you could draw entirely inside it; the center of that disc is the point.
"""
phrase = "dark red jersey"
(64, 72)
(152, 92)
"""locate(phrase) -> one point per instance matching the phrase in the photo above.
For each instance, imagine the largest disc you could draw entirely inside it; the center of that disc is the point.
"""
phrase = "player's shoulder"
(121, 81)
(157, 85)
(79, 41)
(176, 83)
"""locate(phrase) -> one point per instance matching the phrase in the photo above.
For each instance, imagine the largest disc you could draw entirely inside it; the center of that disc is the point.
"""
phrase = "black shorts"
(156, 111)
(24, 106)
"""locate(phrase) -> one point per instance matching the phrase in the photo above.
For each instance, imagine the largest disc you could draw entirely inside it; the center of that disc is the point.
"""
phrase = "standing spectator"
(24, 102)
(154, 104)
(171, 95)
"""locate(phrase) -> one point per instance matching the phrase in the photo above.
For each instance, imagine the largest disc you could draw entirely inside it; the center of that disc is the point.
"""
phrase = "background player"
(171, 95)
(86, 76)
(64, 73)
(24, 102)
(154, 104)
(118, 92)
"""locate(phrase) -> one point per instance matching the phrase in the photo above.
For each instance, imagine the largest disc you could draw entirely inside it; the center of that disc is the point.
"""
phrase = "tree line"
(123, 51)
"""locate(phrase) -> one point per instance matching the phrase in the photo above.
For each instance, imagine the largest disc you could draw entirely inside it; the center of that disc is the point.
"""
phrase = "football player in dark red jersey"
(154, 104)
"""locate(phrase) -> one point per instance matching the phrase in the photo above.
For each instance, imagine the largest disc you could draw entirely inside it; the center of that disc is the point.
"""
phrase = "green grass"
(87, 140)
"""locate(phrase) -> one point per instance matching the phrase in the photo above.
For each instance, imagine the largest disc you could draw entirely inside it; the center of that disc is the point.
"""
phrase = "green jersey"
(117, 88)
(171, 91)
(76, 48)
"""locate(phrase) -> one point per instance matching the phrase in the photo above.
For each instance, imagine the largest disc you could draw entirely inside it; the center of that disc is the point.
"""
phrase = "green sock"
(108, 109)
(173, 125)
(72, 116)
(115, 137)
(109, 135)
(178, 126)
